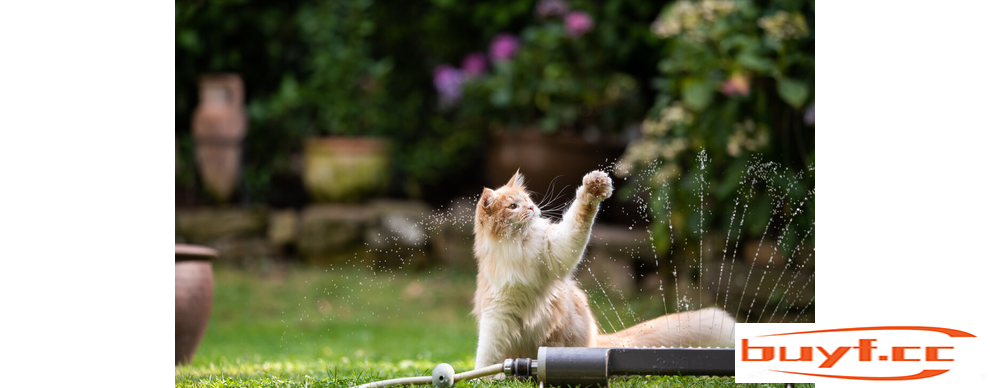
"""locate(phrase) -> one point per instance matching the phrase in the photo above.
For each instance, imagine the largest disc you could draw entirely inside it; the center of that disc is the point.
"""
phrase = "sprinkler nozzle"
(443, 376)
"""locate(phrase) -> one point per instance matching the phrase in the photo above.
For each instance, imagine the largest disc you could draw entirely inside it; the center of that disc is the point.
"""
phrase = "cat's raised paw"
(598, 184)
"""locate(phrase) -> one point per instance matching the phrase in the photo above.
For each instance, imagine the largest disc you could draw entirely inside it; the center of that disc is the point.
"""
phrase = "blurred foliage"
(736, 81)
(358, 67)
(340, 88)
(255, 42)
(570, 71)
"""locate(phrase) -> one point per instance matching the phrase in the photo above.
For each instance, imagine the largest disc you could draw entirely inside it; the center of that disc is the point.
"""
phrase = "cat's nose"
(532, 207)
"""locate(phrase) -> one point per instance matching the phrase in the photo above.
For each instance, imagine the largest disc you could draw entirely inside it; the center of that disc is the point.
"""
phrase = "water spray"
(555, 367)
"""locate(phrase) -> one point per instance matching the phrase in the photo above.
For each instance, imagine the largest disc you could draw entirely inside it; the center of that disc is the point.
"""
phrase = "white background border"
(87, 157)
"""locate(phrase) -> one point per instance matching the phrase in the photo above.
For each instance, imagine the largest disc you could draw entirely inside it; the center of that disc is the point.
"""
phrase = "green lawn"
(343, 327)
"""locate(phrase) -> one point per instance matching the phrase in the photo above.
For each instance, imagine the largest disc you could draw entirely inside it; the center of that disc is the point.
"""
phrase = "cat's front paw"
(598, 185)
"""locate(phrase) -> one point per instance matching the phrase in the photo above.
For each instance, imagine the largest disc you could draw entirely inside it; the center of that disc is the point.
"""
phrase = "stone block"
(402, 223)
(765, 253)
(244, 252)
(602, 270)
(452, 235)
(203, 225)
(621, 243)
(283, 227)
(333, 229)
(611, 256)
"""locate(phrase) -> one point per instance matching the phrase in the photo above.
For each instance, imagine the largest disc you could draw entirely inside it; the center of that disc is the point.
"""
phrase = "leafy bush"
(342, 90)
(558, 72)
(736, 83)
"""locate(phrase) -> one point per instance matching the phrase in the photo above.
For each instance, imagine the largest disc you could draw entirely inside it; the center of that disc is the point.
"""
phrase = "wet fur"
(526, 295)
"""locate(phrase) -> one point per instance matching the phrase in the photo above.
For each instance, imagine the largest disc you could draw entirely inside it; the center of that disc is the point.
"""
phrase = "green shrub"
(559, 72)
(734, 108)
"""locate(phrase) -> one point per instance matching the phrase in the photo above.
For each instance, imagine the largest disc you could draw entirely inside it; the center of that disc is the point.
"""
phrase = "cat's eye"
(512, 206)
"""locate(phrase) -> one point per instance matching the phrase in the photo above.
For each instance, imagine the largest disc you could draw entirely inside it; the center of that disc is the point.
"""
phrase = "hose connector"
(520, 367)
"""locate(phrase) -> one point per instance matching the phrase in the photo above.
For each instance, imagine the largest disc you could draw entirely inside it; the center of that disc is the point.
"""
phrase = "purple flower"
(474, 65)
(503, 48)
(551, 8)
(448, 80)
(578, 23)
(809, 115)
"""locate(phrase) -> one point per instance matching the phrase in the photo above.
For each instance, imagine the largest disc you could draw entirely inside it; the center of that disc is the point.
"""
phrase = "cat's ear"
(516, 181)
(487, 200)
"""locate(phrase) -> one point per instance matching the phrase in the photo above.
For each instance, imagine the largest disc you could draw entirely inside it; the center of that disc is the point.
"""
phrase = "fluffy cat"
(526, 295)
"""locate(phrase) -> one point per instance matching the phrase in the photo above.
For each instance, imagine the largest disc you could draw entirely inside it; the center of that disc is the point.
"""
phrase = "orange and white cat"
(527, 296)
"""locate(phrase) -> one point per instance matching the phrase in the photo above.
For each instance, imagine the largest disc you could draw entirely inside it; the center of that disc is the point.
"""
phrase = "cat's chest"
(525, 307)
(517, 256)
(521, 300)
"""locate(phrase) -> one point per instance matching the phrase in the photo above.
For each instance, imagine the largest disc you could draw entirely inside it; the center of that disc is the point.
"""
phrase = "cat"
(526, 294)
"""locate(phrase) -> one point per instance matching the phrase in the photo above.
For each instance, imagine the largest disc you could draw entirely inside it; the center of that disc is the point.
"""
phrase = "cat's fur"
(526, 295)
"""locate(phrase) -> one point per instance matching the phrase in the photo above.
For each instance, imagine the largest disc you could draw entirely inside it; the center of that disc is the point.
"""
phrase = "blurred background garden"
(332, 152)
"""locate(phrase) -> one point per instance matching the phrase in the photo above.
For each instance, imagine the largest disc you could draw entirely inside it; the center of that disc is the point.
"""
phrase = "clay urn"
(193, 298)
(219, 126)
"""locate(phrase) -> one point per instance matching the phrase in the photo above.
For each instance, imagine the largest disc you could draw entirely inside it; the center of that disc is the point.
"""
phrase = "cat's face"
(506, 209)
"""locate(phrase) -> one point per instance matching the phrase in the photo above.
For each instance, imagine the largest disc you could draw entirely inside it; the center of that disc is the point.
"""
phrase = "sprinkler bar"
(593, 366)
(588, 366)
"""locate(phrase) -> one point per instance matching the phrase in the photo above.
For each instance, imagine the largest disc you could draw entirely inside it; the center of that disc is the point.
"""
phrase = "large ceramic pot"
(193, 298)
(345, 169)
(219, 126)
(541, 157)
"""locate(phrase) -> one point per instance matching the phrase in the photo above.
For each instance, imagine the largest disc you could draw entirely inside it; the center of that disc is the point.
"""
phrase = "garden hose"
(443, 377)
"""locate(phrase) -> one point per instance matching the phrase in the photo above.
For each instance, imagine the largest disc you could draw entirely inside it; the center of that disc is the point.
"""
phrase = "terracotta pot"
(541, 157)
(219, 126)
(193, 298)
(344, 169)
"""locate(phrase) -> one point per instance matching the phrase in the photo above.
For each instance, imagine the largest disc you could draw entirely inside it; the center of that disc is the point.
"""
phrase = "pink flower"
(736, 85)
(503, 48)
(551, 8)
(578, 23)
(448, 81)
(474, 65)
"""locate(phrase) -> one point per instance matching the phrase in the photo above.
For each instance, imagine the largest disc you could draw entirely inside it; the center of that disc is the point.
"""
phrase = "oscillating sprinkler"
(588, 366)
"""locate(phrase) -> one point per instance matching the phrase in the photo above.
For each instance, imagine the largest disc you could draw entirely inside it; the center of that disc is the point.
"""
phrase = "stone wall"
(392, 234)
(409, 235)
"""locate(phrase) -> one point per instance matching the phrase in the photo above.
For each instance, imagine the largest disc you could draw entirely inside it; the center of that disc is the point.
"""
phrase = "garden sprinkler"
(588, 366)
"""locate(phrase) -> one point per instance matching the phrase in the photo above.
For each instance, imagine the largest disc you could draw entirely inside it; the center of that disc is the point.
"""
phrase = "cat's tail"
(708, 327)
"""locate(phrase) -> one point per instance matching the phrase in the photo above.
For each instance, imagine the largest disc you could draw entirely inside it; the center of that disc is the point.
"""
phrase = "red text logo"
(827, 353)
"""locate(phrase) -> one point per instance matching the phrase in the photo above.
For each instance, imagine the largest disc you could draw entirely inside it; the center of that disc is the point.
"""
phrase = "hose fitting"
(520, 367)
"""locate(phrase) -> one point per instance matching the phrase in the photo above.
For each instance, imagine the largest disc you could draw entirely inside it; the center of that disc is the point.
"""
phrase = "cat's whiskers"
(550, 198)
(556, 211)
(548, 193)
